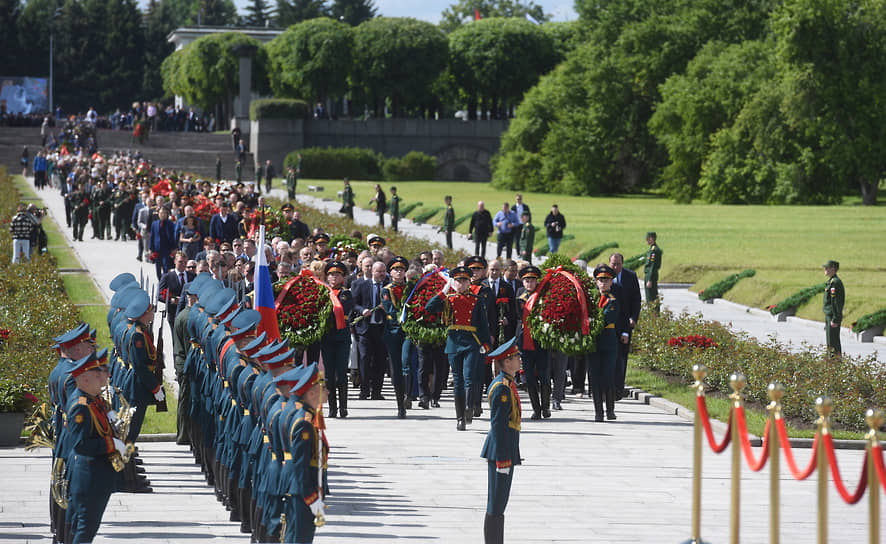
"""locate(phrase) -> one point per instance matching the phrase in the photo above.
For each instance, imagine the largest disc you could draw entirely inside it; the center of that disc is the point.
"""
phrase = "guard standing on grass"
(502, 446)
(291, 180)
(651, 266)
(395, 208)
(834, 296)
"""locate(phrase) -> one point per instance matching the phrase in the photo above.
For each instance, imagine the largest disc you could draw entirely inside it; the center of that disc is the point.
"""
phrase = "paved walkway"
(419, 480)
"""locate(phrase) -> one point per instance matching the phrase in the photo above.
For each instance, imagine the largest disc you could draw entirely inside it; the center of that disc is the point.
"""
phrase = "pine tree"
(353, 12)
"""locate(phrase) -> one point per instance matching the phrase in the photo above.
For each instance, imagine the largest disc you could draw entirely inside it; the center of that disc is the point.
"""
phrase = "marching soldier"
(467, 338)
(536, 362)
(834, 296)
(336, 343)
(393, 297)
(502, 446)
(92, 442)
(477, 265)
(651, 266)
(601, 363)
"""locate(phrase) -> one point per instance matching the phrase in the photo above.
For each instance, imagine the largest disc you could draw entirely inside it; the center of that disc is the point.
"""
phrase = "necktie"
(181, 278)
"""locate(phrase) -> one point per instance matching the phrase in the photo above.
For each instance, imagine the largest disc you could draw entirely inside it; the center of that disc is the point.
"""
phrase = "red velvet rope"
(789, 454)
(753, 464)
(877, 456)
(702, 406)
(838, 481)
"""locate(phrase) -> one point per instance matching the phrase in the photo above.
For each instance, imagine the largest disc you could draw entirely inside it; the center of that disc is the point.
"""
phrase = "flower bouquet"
(563, 313)
(303, 309)
(423, 328)
(204, 208)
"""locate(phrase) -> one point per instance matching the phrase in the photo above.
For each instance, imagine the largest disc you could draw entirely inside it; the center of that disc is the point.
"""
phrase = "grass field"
(702, 243)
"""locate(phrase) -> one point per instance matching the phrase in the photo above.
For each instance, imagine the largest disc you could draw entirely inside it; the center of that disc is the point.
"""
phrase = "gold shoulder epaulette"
(83, 400)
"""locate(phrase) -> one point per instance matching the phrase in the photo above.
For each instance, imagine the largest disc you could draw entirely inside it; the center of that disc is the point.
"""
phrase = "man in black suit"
(370, 329)
(626, 289)
(171, 284)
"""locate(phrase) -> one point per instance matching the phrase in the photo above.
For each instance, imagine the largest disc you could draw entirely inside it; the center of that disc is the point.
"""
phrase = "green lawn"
(702, 243)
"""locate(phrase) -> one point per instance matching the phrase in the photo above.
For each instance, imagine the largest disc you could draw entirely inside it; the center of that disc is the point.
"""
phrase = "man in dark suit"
(171, 284)
(370, 330)
(626, 289)
(480, 229)
(223, 226)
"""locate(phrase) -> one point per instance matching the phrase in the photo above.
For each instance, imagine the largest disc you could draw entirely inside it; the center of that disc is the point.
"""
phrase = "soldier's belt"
(195, 345)
(610, 326)
(468, 328)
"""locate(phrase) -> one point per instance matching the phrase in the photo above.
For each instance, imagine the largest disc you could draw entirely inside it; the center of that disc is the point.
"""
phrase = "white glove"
(448, 286)
(317, 507)
(160, 395)
(505, 471)
(112, 416)
(120, 446)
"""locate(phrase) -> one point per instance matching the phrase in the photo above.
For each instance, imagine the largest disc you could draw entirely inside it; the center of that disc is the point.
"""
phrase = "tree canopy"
(466, 10)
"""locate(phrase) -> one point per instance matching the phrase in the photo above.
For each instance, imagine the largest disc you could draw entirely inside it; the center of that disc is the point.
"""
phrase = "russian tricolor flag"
(264, 293)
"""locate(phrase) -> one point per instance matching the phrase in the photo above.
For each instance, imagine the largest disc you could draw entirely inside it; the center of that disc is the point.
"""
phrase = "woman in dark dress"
(190, 240)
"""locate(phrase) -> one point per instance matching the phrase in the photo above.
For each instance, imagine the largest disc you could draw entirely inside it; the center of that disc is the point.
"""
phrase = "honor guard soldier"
(467, 338)
(601, 363)
(651, 266)
(536, 361)
(479, 286)
(92, 443)
(80, 202)
(834, 295)
(141, 354)
(392, 298)
(305, 504)
(321, 245)
(502, 446)
(376, 243)
(336, 343)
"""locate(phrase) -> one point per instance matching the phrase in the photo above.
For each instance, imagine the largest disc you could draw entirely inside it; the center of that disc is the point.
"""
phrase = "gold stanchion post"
(776, 392)
(824, 406)
(699, 371)
(738, 382)
(874, 418)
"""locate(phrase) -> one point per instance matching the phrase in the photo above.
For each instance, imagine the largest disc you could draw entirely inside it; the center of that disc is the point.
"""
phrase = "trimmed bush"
(876, 319)
(718, 289)
(279, 108)
(414, 166)
(797, 299)
(635, 262)
(461, 220)
(854, 383)
(424, 215)
(409, 208)
(337, 163)
(593, 253)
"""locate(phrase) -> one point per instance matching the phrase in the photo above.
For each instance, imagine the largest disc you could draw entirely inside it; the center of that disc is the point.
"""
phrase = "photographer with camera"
(555, 223)
(22, 226)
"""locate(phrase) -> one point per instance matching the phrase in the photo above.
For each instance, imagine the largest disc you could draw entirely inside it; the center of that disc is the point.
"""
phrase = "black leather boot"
(494, 529)
(343, 400)
(401, 401)
(468, 403)
(610, 404)
(333, 402)
(460, 412)
(546, 400)
(532, 389)
(598, 402)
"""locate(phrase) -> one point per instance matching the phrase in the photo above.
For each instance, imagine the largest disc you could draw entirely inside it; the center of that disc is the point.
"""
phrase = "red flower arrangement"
(303, 309)
(420, 326)
(5, 334)
(275, 224)
(692, 341)
(565, 302)
(204, 208)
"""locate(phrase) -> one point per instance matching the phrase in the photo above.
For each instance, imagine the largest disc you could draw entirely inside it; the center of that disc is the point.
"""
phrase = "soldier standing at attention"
(395, 208)
(834, 296)
(502, 446)
(448, 221)
(601, 363)
(347, 199)
(291, 180)
(652, 264)
(92, 441)
(141, 355)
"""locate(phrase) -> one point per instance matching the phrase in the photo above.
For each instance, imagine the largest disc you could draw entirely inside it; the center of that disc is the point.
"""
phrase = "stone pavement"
(419, 480)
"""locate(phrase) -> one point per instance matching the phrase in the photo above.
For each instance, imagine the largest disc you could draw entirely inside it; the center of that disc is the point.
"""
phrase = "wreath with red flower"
(565, 316)
(303, 309)
(420, 326)
(274, 221)
(204, 208)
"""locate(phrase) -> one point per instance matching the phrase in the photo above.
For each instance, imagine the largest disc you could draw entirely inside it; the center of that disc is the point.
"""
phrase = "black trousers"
(432, 361)
(480, 246)
(504, 242)
(373, 360)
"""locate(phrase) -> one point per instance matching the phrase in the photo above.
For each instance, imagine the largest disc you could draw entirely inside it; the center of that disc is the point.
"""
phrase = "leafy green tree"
(397, 59)
(159, 21)
(117, 67)
(566, 36)
(353, 12)
(213, 12)
(206, 72)
(257, 13)
(290, 12)
(29, 54)
(465, 10)
(10, 10)
(311, 60)
(494, 61)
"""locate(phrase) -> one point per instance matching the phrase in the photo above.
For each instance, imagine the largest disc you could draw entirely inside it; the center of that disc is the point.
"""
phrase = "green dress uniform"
(449, 225)
(601, 363)
(526, 242)
(347, 201)
(652, 264)
(834, 296)
(395, 211)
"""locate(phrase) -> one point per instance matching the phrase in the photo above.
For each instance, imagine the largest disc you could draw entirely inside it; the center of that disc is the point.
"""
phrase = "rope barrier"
(709, 432)
(877, 455)
(838, 481)
(789, 454)
(753, 464)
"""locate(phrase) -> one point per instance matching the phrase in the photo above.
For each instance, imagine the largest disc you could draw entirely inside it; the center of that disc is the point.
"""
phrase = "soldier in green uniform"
(291, 181)
(394, 208)
(502, 446)
(80, 201)
(448, 220)
(651, 266)
(347, 199)
(834, 296)
(92, 443)
(601, 363)
(527, 238)
(102, 202)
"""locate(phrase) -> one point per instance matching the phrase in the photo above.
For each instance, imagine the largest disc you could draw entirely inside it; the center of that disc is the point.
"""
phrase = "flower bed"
(16, 397)
(692, 341)
(423, 328)
(854, 383)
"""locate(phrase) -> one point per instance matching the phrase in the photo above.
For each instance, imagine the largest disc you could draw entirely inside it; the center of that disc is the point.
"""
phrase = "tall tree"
(465, 10)
(353, 12)
(10, 10)
(290, 12)
(257, 13)
(213, 12)
(160, 18)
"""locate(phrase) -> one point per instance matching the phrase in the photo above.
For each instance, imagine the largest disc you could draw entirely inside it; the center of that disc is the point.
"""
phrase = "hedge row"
(362, 163)
(718, 289)
(854, 383)
(279, 108)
